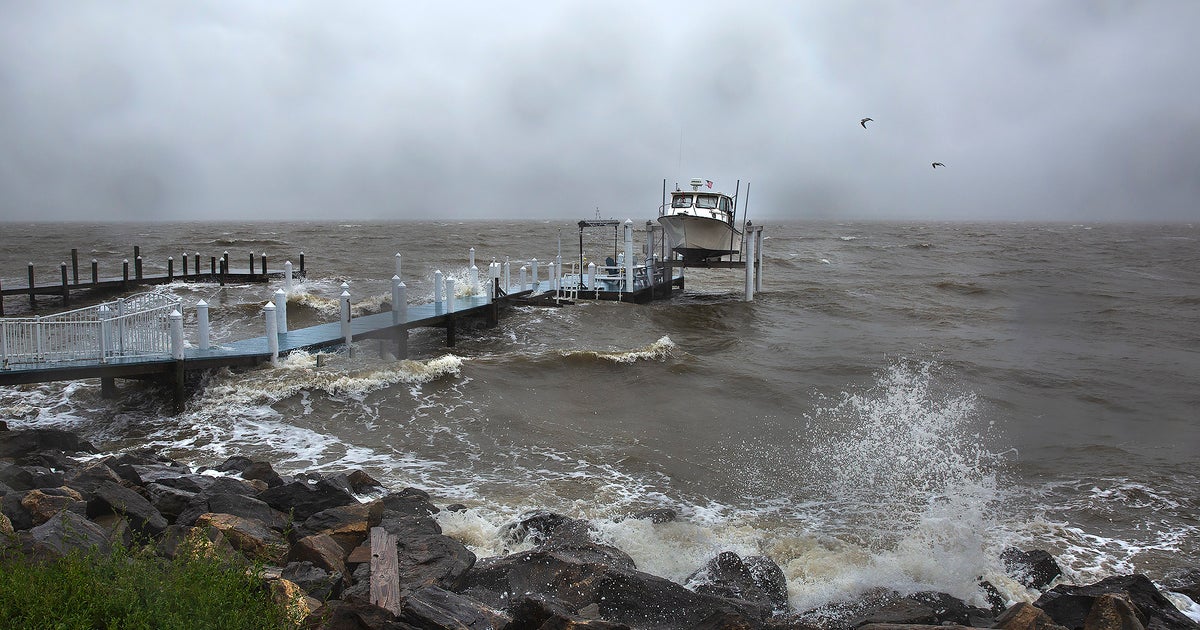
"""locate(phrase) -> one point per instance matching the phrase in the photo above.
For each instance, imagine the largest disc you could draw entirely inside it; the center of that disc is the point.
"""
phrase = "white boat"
(699, 222)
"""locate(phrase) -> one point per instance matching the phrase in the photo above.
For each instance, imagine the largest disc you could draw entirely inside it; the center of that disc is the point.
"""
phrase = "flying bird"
(937, 164)
(863, 122)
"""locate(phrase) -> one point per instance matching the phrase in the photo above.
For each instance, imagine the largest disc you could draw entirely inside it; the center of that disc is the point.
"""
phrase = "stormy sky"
(179, 110)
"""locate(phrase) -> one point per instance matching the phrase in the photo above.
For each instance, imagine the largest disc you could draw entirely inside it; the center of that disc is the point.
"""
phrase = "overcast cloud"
(175, 110)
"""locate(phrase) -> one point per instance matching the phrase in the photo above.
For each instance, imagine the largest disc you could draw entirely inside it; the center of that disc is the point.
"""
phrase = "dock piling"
(32, 299)
(750, 258)
(75, 265)
(437, 289)
(66, 290)
(137, 267)
(202, 323)
(184, 258)
(272, 322)
(287, 277)
(301, 263)
(533, 270)
(398, 264)
(449, 295)
(125, 274)
(524, 284)
(345, 317)
(170, 268)
(95, 271)
(398, 300)
(281, 311)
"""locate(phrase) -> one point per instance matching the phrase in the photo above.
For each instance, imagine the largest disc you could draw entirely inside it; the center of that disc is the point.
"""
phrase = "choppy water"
(900, 402)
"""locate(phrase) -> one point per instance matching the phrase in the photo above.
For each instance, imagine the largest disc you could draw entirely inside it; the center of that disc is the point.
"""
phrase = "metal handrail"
(135, 326)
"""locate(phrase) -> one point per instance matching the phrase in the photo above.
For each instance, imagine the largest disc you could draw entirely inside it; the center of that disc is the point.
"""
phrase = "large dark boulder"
(620, 595)
(433, 607)
(566, 535)
(432, 560)
(91, 476)
(112, 498)
(18, 515)
(20, 443)
(1070, 605)
(170, 502)
(315, 581)
(63, 534)
(302, 499)
(1032, 569)
(16, 477)
(755, 579)
(43, 503)
(347, 524)
(355, 613)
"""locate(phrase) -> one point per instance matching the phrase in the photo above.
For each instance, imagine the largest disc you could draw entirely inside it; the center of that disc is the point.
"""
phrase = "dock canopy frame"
(591, 223)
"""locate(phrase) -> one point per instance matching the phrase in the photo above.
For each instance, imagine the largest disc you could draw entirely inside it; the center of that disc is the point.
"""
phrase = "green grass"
(133, 589)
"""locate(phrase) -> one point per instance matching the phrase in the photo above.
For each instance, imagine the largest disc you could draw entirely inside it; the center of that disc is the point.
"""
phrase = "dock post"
(449, 295)
(170, 269)
(66, 289)
(197, 265)
(137, 267)
(346, 331)
(3, 341)
(272, 322)
(507, 276)
(437, 290)
(184, 270)
(521, 276)
(473, 280)
(202, 323)
(225, 258)
(494, 311)
(32, 299)
(137, 252)
(176, 319)
(750, 257)
(223, 269)
(1, 299)
(400, 315)
(251, 263)
(281, 311)
(287, 277)
(264, 265)
(591, 272)
(302, 264)
(398, 264)
(125, 274)
(550, 276)
(533, 284)
(213, 261)
(399, 301)
(75, 265)
(95, 271)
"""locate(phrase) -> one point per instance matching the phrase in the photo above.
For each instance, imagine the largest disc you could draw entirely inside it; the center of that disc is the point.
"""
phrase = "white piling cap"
(279, 292)
(270, 306)
(201, 303)
(176, 315)
(346, 294)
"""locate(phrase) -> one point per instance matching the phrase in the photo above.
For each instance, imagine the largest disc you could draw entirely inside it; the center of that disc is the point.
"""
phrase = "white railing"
(136, 326)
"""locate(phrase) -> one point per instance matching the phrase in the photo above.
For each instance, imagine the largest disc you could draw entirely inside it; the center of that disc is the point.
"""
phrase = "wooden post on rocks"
(75, 265)
(385, 571)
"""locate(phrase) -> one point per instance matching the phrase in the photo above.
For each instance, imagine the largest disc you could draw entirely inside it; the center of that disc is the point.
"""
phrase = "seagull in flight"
(863, 122)
(937, 164)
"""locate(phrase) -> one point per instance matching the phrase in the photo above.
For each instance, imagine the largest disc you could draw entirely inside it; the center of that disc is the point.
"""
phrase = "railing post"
(346, 331)
(3, 344)
(37, 331)
(176, 335)
(281, 311)
(202, 323)
(449, 295)
(398, 264)
(105, 315)
(272, 332)
(287, 277)
(120, 326)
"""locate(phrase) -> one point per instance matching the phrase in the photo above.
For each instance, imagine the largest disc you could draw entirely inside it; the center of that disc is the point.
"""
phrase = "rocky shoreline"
(313, 533)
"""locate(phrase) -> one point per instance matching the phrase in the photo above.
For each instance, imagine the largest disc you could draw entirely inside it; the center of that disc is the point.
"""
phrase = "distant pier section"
(191, 268)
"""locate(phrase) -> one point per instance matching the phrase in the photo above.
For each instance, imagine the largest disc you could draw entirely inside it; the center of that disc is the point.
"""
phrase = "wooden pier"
(215, 269)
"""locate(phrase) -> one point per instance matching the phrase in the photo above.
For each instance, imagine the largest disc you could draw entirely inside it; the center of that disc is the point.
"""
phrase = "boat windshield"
(681, 201)
(706, 201)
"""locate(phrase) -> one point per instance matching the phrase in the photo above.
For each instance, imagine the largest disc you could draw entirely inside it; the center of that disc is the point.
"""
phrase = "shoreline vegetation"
(138, 540)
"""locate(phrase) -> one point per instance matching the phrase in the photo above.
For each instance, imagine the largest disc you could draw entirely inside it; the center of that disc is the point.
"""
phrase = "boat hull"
(699, 238)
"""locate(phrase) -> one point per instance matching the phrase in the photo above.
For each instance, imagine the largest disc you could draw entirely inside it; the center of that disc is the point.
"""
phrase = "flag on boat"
(708, 182)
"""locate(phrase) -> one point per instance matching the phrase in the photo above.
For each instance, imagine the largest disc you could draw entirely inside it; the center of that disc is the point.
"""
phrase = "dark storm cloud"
(382, 110)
